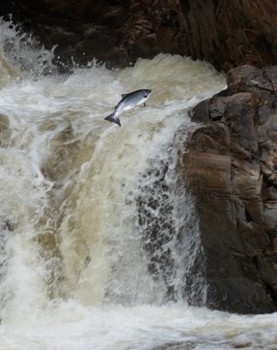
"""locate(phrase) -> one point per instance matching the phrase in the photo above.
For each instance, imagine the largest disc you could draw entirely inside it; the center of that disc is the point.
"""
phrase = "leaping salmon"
(128, 102)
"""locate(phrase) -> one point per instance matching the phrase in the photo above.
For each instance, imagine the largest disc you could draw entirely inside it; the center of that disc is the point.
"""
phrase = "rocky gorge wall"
(224, 33)
(230, 163)
(230, 159)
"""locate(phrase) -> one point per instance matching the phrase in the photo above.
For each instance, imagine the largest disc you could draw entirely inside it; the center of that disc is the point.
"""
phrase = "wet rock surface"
(230, 163)
(5, 131)
(168, 237)
(227, 34)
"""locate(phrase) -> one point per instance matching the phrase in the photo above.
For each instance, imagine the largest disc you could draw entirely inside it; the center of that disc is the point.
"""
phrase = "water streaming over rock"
(99, 243)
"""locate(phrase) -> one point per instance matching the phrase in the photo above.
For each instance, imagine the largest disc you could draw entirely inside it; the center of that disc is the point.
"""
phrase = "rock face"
(225, 33)
(230, 163)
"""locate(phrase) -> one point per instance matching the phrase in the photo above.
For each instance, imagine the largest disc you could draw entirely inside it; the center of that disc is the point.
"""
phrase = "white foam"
(74, 274)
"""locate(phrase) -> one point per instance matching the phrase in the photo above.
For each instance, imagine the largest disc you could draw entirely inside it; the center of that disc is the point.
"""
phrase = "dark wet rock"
(189, 345)
(5, 131)
(231, 165)
(225, 33)
(155, 225)
(174, 259)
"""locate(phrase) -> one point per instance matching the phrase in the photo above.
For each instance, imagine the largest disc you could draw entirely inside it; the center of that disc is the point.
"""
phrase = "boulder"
(230, 164)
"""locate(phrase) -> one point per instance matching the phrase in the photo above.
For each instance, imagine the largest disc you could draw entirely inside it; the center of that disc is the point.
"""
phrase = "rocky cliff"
(230, 163)
(225, 33)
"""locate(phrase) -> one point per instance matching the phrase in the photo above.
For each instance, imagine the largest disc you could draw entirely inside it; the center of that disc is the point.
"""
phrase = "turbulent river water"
(99, 245)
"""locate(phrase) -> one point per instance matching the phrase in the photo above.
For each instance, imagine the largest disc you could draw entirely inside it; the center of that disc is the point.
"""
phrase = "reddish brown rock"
(231, 166)
(225, 33)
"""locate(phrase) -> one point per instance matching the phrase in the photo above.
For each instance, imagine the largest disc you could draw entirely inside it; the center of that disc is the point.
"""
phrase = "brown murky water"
(74, 271)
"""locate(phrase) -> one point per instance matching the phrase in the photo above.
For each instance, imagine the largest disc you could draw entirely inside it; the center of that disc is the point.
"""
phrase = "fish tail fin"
(111, 118)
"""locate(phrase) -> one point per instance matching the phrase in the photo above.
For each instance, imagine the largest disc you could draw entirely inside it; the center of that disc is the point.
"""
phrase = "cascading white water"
(98, 235)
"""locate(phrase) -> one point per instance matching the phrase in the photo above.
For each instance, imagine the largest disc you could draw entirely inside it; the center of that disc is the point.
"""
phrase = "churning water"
(99, 245)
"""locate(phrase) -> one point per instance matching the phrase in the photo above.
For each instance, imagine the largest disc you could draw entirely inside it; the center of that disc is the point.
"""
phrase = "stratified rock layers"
(230, 163)
(225, 33)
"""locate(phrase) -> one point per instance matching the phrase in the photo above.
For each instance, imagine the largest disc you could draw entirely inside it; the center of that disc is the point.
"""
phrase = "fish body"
(128, 102)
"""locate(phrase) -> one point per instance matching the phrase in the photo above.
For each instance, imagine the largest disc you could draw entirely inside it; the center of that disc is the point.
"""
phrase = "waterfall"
(97, 213)
(99, 241)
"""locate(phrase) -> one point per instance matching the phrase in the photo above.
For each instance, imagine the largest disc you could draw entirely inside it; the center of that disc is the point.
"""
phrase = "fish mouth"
(148, 92)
